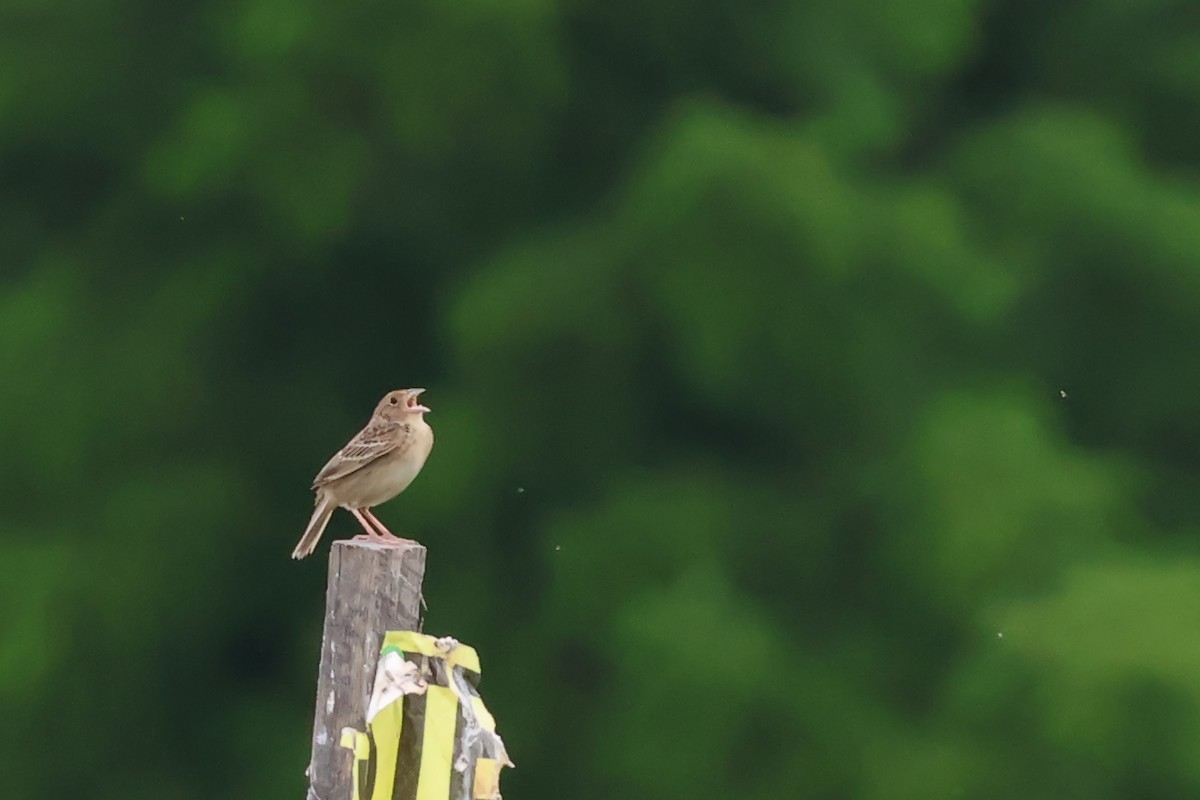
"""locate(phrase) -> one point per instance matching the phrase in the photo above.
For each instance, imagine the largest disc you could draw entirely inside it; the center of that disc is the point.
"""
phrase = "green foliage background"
(745, 326)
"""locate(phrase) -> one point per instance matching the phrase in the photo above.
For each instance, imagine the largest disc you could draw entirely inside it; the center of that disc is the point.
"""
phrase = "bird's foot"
(382, 538)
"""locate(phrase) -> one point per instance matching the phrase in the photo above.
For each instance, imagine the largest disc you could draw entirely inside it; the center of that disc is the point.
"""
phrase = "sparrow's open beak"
(413, 405)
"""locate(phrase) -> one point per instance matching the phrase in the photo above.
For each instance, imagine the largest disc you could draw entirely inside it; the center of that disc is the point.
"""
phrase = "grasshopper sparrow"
(378, 464)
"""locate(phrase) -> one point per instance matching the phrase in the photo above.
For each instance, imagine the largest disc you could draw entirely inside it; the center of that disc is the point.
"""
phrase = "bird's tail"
(316, 526)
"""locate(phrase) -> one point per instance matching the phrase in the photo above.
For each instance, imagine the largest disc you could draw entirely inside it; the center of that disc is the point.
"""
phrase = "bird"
(376, 465)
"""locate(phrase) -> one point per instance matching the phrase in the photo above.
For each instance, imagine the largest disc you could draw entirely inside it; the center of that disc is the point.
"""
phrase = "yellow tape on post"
(435, 726)
(437, 748)
(487, 779)
(426, 645)
(486, 720)
(385, 730)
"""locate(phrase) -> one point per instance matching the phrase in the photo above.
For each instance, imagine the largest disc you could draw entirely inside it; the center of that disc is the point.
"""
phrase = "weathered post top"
(373, 588)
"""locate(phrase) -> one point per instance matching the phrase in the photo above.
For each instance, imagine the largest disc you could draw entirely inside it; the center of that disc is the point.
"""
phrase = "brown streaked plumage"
(377, 464)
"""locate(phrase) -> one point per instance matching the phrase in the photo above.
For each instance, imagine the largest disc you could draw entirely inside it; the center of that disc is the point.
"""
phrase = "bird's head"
(398, 404)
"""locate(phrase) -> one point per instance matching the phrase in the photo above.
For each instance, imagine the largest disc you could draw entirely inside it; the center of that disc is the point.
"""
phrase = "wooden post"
(372, 589)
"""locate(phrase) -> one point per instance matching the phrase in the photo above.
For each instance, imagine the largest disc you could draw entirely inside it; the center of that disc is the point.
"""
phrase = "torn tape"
(429, 735)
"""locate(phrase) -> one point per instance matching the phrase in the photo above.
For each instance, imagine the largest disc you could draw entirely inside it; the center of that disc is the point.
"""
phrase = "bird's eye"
(393, 401)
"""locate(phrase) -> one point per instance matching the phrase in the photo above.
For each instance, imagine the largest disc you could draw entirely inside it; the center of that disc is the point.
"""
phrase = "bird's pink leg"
(368, 532)
(388, 535)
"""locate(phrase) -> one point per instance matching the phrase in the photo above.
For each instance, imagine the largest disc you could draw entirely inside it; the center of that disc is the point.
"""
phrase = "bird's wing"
(372, 442)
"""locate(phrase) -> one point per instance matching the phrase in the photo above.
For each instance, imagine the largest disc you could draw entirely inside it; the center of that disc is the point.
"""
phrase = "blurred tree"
(812, 385)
